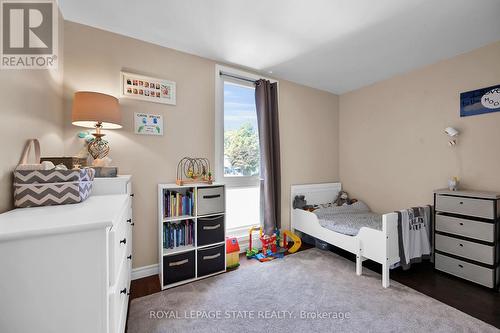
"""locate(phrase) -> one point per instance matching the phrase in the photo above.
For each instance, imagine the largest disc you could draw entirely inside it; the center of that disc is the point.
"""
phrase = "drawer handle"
(210, 218)
(461, 223)
(461, 245)
(207, 227)
(123, 291)
(213, 196)
(132, 195)
(461, 266)
(123, 241)
(178, 263)
(211, 257)
(461, 202)
(129, 257)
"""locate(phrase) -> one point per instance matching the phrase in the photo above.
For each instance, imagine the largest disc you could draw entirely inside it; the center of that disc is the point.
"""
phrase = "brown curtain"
(266, 101)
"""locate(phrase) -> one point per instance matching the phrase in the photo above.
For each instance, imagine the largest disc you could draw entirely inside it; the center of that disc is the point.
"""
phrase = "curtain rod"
(221, 73)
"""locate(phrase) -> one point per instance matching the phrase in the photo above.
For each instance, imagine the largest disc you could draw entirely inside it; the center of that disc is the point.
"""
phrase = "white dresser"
(467, 233)
(67, 268)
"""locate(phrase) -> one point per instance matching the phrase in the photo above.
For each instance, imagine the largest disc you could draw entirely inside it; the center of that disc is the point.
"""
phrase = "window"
(237, 157)
(241, 138)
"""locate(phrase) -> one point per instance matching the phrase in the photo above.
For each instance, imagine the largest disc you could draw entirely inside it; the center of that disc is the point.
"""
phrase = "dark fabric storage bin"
(210, 230)
(211, 260)
(178, 267)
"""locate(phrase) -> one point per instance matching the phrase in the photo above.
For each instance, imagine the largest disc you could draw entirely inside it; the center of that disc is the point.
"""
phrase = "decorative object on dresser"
(192, 170)
(191, 232)
(466, 235)
(68, 267)
(69, 162)
(99, 111)
(43, 184)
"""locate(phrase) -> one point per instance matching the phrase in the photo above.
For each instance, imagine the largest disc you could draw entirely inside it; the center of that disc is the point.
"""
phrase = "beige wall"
(393, 152)
(31, 108)
(94, 59)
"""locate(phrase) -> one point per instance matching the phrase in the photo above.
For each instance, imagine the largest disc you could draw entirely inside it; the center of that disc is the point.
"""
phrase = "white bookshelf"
(191, 248)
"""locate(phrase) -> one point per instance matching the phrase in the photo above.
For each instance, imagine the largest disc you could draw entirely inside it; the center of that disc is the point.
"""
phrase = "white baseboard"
(144, 271)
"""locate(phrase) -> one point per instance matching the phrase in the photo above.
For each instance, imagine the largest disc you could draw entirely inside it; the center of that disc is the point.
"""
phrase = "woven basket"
(49, 187)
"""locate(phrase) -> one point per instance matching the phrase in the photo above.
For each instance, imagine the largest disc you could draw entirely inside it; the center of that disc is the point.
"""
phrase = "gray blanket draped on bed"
(414, 233)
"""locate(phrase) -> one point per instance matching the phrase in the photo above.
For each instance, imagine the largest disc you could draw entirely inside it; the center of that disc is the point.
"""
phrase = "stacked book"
(178, 234)
(179, 204)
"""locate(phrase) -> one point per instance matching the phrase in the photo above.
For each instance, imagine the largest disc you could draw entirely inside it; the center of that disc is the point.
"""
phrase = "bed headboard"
(316, 193)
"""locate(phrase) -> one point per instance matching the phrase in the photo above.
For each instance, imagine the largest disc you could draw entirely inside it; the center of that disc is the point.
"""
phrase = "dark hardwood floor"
(470, 298)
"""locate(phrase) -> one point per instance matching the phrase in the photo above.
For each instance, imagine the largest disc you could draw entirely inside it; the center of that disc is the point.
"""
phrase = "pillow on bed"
(357, 207)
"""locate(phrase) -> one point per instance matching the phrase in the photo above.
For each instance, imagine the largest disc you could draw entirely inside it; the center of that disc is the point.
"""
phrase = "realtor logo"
(29, 34)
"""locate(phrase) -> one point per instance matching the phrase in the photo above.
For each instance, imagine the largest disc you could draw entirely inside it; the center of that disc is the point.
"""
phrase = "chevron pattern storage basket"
(52, 187)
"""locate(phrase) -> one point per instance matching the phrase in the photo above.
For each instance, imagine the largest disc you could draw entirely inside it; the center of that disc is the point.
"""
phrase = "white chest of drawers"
(466, 235)
(67, 268)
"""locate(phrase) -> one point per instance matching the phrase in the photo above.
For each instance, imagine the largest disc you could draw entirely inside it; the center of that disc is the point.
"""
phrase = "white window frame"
(237, 181)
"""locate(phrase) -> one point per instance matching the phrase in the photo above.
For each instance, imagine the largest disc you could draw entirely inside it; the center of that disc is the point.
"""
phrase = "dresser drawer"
(211, 260)
(120, 238)
(210, 230)
(466, 206)
(468, 228)
(118, 301)
(470, 250)
(210, 200)
(178, 267)
(468, 271)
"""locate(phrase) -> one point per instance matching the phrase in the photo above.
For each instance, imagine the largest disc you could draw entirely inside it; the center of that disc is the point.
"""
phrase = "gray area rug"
(310, 291)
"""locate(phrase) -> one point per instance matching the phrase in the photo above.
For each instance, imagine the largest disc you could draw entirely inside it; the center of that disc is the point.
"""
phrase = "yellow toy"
(297, 242)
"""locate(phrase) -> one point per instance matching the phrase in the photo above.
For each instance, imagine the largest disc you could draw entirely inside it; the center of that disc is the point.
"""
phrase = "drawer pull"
(129, 220)
(213, 227)
(461, 245)
(211, 257)
(461, 223)
(132, 195)
(123, 241)
(461, 266)
(461, 202)
(213, 196)
(210, 218)
(178, 263)
(129, 257)
(123, 291)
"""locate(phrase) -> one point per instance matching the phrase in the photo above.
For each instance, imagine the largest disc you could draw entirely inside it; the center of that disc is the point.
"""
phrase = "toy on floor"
(297, 242)
(232, 253)
(271, 248)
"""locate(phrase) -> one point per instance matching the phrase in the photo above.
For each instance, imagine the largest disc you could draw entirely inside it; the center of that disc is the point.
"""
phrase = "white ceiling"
(334, 45)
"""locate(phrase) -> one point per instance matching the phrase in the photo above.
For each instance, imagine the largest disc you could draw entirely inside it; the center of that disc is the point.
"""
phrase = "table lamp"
(99, 111)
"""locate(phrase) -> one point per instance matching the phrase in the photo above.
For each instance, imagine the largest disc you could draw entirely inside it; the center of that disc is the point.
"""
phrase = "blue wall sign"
(480, 101)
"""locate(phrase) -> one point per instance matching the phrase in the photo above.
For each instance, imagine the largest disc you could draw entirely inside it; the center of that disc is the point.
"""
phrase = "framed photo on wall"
(148, 124)
(147, 88)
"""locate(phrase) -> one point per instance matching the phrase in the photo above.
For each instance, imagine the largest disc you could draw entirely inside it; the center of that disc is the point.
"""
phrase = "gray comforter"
(348, 219)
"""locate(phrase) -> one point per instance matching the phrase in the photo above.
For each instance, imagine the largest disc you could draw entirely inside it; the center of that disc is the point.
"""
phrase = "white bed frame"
(376, 245)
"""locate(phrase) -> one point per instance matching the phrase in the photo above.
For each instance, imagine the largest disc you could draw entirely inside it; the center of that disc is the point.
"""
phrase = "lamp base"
(98, 148)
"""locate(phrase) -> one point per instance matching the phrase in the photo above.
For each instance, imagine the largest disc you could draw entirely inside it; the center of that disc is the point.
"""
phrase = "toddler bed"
(354, 228)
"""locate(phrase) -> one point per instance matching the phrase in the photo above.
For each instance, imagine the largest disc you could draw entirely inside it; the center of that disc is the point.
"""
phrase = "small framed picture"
(146, 88)
(148, 124)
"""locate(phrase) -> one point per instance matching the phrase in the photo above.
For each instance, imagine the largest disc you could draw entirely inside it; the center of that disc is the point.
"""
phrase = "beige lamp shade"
(90, 108)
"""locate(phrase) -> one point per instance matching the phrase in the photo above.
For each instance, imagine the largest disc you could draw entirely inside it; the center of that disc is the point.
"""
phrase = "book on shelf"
(179, 204)
(177, 234)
